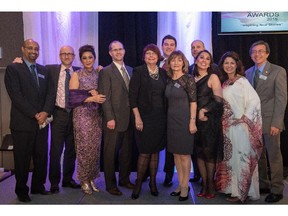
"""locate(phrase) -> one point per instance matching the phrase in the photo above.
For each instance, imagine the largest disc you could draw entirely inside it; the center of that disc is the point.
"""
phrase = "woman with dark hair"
(87, 121)
(146, 94)
(208, 139)
(237, 173)
(181, 119)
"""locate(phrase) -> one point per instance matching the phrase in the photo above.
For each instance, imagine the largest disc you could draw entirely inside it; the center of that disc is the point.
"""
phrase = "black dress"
(208, 139)
(147, 94)
(179, 94)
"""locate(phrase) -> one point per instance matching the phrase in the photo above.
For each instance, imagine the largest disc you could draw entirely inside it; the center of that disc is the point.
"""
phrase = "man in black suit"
(196, 47)
(114, 83)
(169, 45)
(61, 127)
(32, 102)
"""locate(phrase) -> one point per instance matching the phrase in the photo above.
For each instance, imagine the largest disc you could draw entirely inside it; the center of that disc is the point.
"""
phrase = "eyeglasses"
(116, 50)
(36, 49)
(253, 52)
(67, 54)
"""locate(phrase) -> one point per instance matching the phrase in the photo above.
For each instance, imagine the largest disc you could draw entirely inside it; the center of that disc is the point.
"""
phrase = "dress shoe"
(86, 188)
(42, 192)
(115, 191)
(265, 191)
(194, 179)
(71, 184)
(271, 198)
(24, 198)
(129, 185)
(168, 181)
(93, 186)
(54, 189)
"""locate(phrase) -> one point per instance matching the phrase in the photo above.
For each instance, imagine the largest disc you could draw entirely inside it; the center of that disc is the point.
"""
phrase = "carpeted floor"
(76, 196)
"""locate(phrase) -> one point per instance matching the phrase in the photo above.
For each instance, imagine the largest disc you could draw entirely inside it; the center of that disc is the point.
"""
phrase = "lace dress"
(180, 93)
(87, 124)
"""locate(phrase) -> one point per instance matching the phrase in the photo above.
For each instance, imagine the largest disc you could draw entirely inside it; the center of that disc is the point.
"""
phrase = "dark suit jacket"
(54, 71)
(117, 105)
(26, 97)
(140, 91)
(273, 95)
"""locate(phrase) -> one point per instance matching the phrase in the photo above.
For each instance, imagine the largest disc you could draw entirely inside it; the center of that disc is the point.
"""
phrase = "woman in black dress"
(146, 93)
(209, 137)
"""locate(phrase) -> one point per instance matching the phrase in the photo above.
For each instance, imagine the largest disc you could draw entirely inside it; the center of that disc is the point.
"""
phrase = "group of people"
(212, 115)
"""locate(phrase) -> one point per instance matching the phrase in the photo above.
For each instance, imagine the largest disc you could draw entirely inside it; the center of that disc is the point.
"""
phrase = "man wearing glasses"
(31, 103)
(61, 127)
(270, 82)
(114, 83)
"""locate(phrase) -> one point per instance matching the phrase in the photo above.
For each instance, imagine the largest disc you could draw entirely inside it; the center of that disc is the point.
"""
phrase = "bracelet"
(193, 118)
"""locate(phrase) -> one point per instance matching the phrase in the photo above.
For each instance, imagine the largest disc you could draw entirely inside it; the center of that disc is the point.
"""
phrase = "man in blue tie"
(62, 127)
(271, 86)
(32, 103)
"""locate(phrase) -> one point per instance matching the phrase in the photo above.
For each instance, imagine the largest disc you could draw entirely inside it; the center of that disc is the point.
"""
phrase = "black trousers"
(62, 138)
(29, 145)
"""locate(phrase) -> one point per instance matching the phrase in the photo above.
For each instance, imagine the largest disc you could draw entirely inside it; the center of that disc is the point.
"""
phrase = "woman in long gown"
(87, 121)
(147, 100)
(237, 174)
(208, 139)
(181, 118)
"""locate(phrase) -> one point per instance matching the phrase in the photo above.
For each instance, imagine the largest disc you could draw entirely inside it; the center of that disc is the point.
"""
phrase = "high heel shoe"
(153, 189)
(176, 192)
(210, 196)
(86, 188)
(186, 197)
(93, 186)
(136, 190)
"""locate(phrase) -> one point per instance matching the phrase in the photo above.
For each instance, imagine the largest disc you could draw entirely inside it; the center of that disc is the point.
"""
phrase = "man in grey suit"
(270, 82)
(114, 83)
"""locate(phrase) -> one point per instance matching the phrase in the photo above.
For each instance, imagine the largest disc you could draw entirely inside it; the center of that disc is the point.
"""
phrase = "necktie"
(164, 66)
(67, 79)
(34, 73)
(256, 78)
(125, 77)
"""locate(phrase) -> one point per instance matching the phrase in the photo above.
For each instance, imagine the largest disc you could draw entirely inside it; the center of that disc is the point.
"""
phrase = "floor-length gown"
(237, 174)
(87, 124)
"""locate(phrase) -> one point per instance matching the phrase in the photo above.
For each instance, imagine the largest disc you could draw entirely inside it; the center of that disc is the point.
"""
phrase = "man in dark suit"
(270, 82)
(169, 45)
(113, 82)
(32, 102)
(196, 47)
(62, 127)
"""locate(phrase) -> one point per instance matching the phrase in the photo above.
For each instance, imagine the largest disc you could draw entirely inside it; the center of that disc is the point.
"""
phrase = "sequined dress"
(87, 124)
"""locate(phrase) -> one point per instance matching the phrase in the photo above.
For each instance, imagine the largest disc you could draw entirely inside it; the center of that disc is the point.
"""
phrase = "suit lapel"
(264, 76)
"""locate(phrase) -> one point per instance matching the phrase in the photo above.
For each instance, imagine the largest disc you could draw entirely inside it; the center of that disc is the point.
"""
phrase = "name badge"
(41, 76)
(177, 85)
(262, 77)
